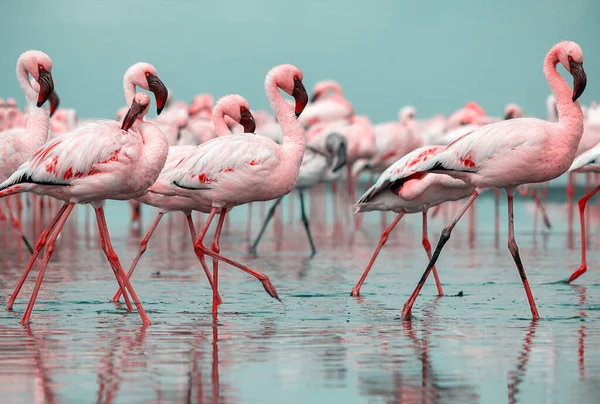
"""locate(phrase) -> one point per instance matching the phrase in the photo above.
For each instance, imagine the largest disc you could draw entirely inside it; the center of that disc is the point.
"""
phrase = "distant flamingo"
(233, 170)
(115, 162)
(316, 167)
(418, 194)
(238, 109)
(513, 152)
(327, 104)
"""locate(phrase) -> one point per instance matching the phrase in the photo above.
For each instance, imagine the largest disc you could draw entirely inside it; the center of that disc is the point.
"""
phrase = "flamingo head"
(570, 56)
(407, 113)
(139, 107)
(289, 79)
(323, 87)
(201, 103)
(144, 75)
(337, 147)
(237, 108)
(512, 111)
(39, 65)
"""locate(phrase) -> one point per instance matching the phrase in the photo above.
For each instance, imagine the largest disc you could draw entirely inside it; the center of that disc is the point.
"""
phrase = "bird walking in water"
(509, 153)
(415, 195)
(114, 162)
(234, 170)
(237, 108)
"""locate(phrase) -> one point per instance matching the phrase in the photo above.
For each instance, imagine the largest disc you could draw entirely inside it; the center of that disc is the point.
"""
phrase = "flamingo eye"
(41, 68)
(296, 78)
(147, 74)
(242, 109)
(570, 58)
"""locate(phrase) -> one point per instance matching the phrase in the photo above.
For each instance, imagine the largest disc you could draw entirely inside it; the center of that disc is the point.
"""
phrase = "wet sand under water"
(476, 344)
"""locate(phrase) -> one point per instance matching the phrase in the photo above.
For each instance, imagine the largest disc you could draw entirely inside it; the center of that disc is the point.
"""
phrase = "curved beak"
(54, 102)
(46, 87)
(131, 116)
(300, 96)
(341, 157)
(579, 79)
(314, 97)
(160, 92)
(247, 121)
(509, 115)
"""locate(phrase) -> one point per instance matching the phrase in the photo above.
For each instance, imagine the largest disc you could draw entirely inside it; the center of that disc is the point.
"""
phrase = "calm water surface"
(476, 344)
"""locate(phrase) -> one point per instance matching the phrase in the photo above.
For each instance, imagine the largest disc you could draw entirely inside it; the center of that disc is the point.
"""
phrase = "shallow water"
(320, 345)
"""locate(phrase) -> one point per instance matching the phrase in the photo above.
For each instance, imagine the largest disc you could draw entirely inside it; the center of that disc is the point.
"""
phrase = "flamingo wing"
(88, 150)
(222, 157)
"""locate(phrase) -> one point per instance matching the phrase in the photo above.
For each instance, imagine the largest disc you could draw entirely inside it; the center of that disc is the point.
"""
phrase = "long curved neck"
(221, 128)
(38, 119)
(294, 139)
(128, 89)
(569, 112)
(156, 145)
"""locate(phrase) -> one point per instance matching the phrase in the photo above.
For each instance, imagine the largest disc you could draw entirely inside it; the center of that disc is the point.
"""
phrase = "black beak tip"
(297, 114)
(159, 110)
(40, 103)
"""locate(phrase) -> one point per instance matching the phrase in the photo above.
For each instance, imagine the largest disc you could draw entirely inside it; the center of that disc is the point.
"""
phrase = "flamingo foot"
(355, 292)
(580, 271)
(270, 288)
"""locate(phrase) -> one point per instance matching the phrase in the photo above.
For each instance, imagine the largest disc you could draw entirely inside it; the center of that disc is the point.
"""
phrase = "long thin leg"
(248, 224)
(264, 226)
(444, 237)
(307, 225)
(199, 248)
(17, 225)
(47, 255)
(496, 211)
(382, 240)
(583, 267)
(40, 244)
(427, 247)
(192, 229)
(514, 251)
(113, 259)
(571, 184)
(141, 250)
(215, 248)
(540, 206)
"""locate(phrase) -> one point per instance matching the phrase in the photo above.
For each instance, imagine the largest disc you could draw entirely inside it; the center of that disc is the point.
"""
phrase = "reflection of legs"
(382, 241)
(47, 255)
(264, 226)
(141, 250)
(427, 247)
(306, 225)
(514, 251)
(113, 259)
(199, 248)
(40, 244)
(215, 248)
(200, 257)
(583, 267)
(444, 237)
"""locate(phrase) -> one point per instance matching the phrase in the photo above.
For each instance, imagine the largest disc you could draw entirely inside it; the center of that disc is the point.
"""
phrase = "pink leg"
(496, 211)
(48, 253)
(17, 225)
(113, 259)
(382, 240)
(540, 205)
(199, 248)
(571, 184)
(200, 257)
(427, 247)
(349, 183)
(583, 267)
(40, 244)
(472, 223)
(141, 250)
(248, 224)
(445, 236)
(514, 251)
(216, 249)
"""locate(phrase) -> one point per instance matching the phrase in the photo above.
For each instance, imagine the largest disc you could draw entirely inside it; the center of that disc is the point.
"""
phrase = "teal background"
(435, 55)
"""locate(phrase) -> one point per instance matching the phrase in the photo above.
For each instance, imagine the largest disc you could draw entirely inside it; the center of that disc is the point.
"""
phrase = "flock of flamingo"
(211, 158)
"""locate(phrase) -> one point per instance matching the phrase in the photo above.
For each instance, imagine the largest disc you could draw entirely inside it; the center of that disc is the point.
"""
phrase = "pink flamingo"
(417, 194)
(233, 170)
(587, 162)
(513, 152)
(18, 144)
(238, 109)
(202, 107)
(115, 162)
